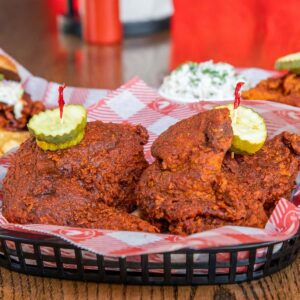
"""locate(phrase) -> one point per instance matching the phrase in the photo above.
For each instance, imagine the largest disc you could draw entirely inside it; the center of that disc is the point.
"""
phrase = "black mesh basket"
(25, 253)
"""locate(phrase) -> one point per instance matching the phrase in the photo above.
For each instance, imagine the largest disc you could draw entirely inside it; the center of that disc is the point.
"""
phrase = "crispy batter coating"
(285, 89)
(267, 176)
(82, 185)
(193, 186)
(180, 183)
(260, 180)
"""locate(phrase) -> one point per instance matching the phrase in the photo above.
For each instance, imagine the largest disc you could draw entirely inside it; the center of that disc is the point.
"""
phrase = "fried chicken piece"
(89, 185)
(193, 186)
(180, 183)
(259, 181)
(291, 84)
(265, 177)
(256, 217)
(268, 89)
(74, 208)
(285, 89)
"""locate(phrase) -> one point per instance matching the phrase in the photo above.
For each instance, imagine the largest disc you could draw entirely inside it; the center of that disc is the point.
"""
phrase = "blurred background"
(103, 43)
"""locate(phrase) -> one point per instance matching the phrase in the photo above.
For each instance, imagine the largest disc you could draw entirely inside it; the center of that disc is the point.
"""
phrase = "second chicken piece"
(194, 185)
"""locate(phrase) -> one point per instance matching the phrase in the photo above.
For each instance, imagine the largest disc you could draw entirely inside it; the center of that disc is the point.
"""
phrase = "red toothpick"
(61, 101)
(237, 96)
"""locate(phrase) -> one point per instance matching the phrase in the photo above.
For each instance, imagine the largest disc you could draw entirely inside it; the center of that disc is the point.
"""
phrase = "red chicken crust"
(89, 185)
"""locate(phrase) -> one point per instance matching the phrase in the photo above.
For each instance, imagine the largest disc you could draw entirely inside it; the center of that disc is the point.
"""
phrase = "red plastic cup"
(101, 21)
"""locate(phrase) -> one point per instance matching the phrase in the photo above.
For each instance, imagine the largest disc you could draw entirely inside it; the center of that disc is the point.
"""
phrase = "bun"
(8, 69)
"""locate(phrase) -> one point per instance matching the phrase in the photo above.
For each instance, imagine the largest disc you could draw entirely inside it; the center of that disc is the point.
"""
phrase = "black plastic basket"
(15, 256)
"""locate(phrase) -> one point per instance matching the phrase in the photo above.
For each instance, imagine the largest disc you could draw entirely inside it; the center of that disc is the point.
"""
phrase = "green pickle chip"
(249, 129)
(53, 133)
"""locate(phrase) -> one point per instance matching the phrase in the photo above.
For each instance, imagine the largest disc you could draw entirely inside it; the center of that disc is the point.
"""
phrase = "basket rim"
(54, 241)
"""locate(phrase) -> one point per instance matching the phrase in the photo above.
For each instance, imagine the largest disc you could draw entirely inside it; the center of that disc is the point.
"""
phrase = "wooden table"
(283, 285)
(28, 32)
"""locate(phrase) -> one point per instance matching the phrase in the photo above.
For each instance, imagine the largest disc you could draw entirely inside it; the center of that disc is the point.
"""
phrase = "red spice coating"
(194, 185)
(88, 185)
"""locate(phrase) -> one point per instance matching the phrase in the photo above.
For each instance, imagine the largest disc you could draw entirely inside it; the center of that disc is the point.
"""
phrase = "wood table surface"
(283, 285)
(28, 32)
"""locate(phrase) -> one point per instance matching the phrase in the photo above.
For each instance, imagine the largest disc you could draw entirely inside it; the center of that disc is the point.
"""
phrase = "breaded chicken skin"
(180, 184)
(285, 89)
(90, 185)
(195, 184)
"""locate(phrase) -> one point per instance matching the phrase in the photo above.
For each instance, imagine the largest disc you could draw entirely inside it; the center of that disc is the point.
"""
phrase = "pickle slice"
(53, 147)
(48, 127)
(249, 129)
(289, 62)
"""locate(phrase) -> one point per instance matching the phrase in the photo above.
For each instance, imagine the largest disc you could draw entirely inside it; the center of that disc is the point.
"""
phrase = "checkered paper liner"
(136, 103)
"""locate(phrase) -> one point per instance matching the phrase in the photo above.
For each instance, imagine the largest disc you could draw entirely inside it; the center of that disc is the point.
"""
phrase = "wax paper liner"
(136, 103)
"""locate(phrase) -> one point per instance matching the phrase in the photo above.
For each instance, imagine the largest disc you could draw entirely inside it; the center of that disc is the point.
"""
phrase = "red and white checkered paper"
(136, 103)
